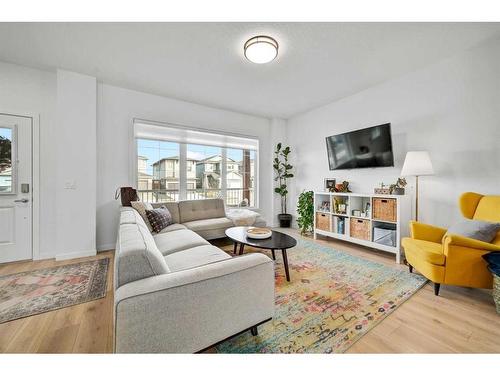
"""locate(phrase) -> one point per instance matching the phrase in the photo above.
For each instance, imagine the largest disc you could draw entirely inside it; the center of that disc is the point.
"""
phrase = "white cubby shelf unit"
(352, 217)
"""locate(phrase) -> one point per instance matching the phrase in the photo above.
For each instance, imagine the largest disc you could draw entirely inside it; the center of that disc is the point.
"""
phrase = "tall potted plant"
(283, 172)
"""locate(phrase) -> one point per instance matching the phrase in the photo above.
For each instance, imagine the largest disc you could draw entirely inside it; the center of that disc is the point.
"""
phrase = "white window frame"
(183, 157)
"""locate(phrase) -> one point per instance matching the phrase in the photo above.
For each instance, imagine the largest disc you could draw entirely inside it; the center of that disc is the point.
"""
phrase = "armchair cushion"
(475, 229)
(427, 251)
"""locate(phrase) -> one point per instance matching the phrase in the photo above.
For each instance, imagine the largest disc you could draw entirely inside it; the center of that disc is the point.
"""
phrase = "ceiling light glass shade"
(261, 49)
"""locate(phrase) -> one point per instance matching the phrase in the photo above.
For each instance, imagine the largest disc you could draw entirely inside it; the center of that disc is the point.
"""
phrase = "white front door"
(15, 188)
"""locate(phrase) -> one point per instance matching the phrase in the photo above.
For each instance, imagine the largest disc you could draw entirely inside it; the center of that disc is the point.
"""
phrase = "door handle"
(24, 200)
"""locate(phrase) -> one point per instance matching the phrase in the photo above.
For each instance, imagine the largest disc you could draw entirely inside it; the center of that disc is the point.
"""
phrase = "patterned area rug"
(333, 299)
(35, 292)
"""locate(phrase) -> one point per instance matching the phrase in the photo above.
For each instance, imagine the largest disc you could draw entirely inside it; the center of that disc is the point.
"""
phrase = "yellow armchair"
(452, 259)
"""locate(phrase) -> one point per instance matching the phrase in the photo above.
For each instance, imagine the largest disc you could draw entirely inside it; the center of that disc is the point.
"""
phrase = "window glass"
(157, 170)
(6, 183)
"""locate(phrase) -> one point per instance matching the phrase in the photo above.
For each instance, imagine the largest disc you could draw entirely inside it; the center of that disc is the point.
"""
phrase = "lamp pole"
(416, 198)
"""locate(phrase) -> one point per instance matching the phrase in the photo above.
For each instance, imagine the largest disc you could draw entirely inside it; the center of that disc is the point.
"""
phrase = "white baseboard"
(108, 246)
(81, 254)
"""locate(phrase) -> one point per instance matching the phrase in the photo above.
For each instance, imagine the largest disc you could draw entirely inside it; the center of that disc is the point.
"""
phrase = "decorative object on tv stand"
(305, 212)
(399, 187)
(342, 188)
(417, 163)
(283, 172)
(330, 184)
(382, 190)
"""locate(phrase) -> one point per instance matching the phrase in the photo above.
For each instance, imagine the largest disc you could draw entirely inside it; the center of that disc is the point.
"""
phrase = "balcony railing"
(234, 196)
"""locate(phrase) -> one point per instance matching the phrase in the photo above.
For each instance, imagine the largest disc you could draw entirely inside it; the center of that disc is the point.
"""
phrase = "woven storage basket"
(496, 292)
(323, 221)
(385, 209)
(360, 229)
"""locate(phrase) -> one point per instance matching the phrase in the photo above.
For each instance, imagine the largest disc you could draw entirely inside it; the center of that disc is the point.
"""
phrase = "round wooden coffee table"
(278, 241)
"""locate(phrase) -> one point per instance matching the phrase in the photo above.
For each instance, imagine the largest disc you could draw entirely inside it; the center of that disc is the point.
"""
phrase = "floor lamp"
(417, 163)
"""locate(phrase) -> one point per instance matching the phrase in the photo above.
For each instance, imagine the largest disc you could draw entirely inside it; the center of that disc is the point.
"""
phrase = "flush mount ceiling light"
(261, 49)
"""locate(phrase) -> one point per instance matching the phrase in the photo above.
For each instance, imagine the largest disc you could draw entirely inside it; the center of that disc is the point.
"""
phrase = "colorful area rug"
(35, 292)
(333, 299)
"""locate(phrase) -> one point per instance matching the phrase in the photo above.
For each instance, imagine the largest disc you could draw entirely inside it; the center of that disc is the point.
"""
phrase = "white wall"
(116, 109)
(24, 90)
(451, 109)
(75, 188)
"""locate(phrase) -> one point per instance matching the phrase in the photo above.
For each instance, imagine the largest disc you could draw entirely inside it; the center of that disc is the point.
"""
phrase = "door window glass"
(6, 183)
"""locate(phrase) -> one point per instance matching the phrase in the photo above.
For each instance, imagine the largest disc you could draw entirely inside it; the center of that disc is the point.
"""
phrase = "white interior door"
(15, 188)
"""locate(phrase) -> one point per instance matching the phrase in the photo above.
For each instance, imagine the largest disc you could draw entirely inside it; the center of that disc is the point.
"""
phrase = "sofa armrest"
(189, 310)
(456, 240)
(426, 232)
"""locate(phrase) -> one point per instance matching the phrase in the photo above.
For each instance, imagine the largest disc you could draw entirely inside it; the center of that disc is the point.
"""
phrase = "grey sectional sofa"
(176, 293)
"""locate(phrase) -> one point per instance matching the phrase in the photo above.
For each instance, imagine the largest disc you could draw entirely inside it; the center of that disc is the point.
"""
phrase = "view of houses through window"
(209, 172)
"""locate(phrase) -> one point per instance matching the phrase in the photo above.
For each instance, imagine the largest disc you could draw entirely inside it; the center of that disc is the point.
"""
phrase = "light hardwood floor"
(460, 320)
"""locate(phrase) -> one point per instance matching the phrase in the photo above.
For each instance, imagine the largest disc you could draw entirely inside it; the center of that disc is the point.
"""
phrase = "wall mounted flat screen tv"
(364, 148)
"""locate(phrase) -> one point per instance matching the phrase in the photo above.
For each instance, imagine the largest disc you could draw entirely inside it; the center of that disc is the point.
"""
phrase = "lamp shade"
(417, 163)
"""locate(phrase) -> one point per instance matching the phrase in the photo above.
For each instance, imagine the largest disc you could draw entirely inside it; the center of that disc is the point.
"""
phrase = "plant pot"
(285, 220)
(398, 191)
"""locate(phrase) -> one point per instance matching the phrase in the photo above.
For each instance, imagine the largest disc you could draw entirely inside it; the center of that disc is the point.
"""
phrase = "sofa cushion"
(208, 224)
(201, 209)
(195, 257)
(130, 216)
(171, 228)
(172, 207)
(141, 208)
(137, 256)
(159, 218)
(178, 240)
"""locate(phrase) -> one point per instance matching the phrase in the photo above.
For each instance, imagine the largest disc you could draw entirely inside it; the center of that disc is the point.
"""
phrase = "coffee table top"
(278, 240)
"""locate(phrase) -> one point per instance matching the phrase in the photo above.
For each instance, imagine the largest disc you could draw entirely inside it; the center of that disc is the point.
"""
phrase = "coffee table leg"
(235, 247)
(285, 261)
(274, 255)
(242, 246)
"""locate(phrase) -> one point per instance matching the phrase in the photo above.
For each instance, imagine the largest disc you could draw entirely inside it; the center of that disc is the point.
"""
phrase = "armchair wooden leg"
(410, 267)
(436, 288)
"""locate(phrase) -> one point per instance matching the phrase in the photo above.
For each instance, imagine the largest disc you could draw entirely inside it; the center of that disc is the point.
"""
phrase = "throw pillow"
(475, 229)
(159, 218)
(141, 208)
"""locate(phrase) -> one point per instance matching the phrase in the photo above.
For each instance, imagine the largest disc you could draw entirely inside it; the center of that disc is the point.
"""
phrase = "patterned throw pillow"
(159, 218)
(141, 208)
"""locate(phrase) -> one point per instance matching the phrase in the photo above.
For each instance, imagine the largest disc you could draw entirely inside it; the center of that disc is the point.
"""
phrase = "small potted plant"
(305, 210)
(283, 172)
(399, 187)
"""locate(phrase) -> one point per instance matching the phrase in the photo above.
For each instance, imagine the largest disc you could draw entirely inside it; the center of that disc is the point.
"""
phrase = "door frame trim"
(35, 177)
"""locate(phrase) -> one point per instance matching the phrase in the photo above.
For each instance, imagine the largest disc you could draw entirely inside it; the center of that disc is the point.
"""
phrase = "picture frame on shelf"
(329, 184)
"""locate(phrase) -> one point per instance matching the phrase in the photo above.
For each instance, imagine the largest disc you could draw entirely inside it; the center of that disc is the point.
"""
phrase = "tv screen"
(364, 148)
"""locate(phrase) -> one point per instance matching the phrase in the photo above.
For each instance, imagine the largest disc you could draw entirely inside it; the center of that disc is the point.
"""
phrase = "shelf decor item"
(417, 163)
(399, 187)
(382, 190)
(283, 172)
(330, 184)
(343, 187)
(305, 210)
(259, 233)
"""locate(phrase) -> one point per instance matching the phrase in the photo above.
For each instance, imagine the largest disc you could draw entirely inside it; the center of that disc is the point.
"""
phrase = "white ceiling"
(204, 63)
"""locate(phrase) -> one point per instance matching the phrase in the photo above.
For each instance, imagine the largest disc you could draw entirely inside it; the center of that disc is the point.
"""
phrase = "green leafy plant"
(283, 172)
(305, 210)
